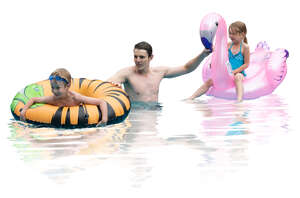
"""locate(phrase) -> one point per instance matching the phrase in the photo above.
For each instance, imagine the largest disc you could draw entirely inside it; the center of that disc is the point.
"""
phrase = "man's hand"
(208, 51)
(116, 84)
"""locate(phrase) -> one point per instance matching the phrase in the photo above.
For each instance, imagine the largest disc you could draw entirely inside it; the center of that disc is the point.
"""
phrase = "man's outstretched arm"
(171, 72)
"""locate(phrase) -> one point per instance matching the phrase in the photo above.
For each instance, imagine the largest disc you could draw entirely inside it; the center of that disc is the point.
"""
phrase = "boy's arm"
(103, 108)
(32, 101)
(190, 66)
(98, 102)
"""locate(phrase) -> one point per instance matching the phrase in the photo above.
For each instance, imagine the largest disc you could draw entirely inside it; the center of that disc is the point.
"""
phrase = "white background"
(94, 39)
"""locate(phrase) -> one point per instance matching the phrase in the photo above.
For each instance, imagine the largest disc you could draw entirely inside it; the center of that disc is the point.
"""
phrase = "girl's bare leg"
(238, 80)
(202, 90)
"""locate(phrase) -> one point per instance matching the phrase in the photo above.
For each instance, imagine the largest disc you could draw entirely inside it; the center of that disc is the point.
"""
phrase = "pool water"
(179, 145)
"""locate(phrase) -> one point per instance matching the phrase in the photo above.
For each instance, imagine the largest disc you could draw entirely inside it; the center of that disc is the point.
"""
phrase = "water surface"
(158, 144)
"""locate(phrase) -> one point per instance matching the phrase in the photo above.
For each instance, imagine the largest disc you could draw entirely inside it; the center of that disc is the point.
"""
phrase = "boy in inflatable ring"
(60, 81)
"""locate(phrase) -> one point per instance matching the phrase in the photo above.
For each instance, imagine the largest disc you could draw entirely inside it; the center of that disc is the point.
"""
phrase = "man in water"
(141, 81)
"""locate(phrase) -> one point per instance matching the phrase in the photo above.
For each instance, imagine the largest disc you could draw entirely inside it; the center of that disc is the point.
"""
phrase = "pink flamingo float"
(267, 69)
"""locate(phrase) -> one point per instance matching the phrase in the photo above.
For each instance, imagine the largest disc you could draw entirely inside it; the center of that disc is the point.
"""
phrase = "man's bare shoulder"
(122, 75)
(128, 70)
(160, 69)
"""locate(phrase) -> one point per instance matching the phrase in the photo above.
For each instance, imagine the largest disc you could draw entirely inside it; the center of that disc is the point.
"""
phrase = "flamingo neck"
(220, 75)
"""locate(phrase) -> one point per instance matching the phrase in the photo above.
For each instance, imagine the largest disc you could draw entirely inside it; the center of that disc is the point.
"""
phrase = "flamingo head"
(208, 29)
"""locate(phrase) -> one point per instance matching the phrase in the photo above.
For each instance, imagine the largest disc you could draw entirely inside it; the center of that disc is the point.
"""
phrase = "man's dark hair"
(145, 46)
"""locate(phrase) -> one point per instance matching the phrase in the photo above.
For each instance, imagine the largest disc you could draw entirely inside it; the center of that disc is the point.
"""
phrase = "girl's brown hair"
(239, 27)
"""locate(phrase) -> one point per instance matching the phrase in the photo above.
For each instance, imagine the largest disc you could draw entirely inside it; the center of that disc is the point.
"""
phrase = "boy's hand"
(22, 115)
(102, 123)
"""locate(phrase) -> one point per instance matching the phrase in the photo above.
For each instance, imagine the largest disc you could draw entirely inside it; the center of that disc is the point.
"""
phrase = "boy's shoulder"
(75, 97)
(74, 94)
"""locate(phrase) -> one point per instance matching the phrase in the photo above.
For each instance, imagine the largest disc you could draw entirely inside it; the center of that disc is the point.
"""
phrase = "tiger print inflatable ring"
(118, 104)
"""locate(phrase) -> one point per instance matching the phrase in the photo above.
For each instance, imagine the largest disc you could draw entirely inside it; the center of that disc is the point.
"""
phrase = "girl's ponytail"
(245, 39)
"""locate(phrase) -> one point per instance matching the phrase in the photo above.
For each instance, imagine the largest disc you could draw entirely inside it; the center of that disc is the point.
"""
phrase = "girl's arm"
(246, 55)
(95, 101)
(31, 102)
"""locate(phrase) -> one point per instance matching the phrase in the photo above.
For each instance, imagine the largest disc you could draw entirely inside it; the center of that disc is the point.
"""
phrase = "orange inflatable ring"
(118, 104)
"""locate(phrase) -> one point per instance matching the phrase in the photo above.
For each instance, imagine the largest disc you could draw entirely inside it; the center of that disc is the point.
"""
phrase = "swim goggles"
(58, 78)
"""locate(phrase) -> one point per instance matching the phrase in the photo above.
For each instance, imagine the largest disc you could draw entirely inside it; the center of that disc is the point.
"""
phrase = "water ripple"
(205, 136)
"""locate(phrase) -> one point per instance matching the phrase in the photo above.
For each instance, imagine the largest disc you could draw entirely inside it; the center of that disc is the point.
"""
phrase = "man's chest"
(144, 84)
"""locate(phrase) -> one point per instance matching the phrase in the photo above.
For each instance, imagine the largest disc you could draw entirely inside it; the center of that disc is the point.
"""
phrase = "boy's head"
(60, 81)
(61, 74)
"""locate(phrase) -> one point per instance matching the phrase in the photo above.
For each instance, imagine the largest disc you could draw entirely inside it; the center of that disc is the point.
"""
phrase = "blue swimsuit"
(236, 60)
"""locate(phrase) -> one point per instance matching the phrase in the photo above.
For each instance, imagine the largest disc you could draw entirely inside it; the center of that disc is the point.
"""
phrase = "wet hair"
(63, 73)
(239, 27)
(145, 46)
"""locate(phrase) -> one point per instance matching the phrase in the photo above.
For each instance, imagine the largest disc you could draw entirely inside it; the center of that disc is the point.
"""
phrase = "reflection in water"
(140, 137)
(207, 137)
(58, 152)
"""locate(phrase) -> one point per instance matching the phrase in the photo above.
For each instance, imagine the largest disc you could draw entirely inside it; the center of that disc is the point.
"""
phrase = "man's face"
(141, 59)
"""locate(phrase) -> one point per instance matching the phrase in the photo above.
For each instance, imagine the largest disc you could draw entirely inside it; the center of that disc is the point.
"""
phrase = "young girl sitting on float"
(239, 56)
